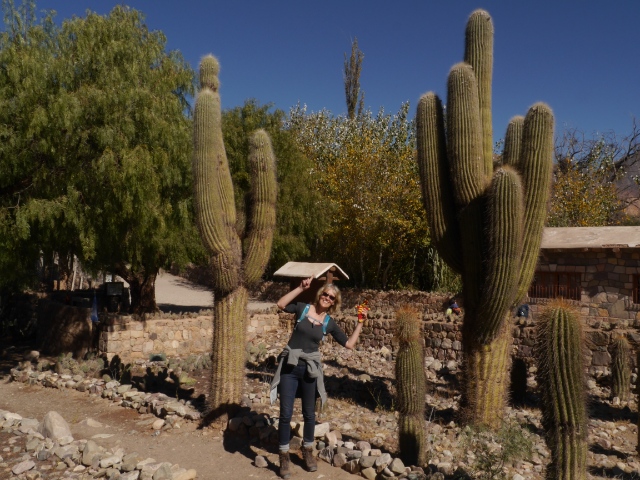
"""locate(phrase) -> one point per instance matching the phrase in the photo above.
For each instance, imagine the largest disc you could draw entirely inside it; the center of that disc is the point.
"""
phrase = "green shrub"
(494, 450)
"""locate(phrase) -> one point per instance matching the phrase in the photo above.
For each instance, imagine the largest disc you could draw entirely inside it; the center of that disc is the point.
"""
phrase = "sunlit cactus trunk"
(232, 267)
(621, 370)
(560, 357)
(411, 388)
(487, 225)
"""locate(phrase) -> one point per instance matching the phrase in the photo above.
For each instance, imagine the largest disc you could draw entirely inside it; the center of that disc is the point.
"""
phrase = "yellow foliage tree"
(365, 170)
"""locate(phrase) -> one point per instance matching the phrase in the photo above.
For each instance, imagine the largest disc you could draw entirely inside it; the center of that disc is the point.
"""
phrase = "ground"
(360, 385)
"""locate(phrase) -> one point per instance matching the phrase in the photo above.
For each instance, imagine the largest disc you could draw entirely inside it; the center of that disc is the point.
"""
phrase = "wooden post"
(73, 280)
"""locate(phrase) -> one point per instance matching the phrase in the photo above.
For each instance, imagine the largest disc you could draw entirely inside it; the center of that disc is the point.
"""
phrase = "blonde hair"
(335, 306)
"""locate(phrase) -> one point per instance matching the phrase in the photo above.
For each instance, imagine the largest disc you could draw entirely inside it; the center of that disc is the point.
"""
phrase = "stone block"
(601, 359)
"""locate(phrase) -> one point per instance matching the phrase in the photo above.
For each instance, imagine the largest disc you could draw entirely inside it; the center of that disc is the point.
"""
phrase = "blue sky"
(580, 57)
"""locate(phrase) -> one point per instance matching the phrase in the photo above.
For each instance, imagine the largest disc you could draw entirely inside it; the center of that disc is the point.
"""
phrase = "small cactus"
(559, 354)
(621, 369)
(411, 387)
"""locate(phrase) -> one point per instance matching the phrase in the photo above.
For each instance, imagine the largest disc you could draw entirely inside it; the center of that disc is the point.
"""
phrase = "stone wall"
(174, 336)
(606, 278)
(62, 329)
(131, 339)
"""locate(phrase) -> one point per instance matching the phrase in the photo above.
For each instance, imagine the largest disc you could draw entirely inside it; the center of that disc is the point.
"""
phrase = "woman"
(300, 368)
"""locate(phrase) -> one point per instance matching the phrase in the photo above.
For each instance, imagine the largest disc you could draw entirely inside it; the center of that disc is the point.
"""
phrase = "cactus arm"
(263, 215)
(464, 135)
(504, 209)
(437, 194)
(213, 190)
(478, 53)
(535, 167)
(513, 141)
(206, 199)
(464, 149)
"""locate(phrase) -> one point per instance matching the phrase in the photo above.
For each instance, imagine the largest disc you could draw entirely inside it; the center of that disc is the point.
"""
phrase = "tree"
(297, 228)
(95, 146)
(365, 170)
(352, 69)
(593, 179)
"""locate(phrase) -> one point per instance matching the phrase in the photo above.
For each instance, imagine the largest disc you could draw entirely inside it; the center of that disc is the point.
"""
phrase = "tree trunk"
(485, 386)
(142, 286)
(228, 359)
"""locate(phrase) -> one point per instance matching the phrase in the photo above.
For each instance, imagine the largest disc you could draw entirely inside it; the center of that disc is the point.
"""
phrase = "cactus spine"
(411, 386)
(559, 355)
(486, 225)
(621, 370)
(233, 268)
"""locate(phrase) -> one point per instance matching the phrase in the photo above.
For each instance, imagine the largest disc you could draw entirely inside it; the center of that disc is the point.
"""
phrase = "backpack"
(325, 323)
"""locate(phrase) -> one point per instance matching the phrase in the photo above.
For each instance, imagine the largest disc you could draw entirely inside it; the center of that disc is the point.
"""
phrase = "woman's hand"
(306, 283)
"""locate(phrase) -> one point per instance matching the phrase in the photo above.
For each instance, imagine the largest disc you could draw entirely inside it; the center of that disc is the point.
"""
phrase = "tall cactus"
(559, 354)
(486, 225)
(621, 369)
(411, 387)
(235, 262)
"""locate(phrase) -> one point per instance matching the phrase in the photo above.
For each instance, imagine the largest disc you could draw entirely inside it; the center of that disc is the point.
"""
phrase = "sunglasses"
(328, 295)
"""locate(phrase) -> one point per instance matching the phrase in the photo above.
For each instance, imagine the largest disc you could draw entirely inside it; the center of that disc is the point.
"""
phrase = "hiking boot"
(309, 459)
(285, 465)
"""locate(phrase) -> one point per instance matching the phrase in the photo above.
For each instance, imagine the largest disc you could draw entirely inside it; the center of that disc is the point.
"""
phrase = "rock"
(235, 423)
(331, 438)
(339, 459)
(55, 427)
(23, 467)
(369, 473)
(90, 450)
(321, 430)
(517, 477)
(32, 444)
(364, 378)
(397, 466)
(362, 445)
(163, 472)
(260, 462)
(367, 462)
(175, 407)
(90, 422)
(158, 424)
(132, 475)
(295, 444)
(326, 454)
(122, 389)
(140, 465)
(66, 440)
(110, 461)
(382, 461)
(188, 475)
(32, 356)
(43, 455)
(445, 468)
(352, 466)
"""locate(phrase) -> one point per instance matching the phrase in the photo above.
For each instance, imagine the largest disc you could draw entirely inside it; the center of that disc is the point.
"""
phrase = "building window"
(554, 285)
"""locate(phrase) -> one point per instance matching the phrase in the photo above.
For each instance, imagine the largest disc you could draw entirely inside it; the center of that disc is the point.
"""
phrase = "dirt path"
(213, 455)
(177, 294)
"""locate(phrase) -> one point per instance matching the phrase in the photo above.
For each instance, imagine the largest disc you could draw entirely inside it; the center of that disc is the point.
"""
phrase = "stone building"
(595, 268)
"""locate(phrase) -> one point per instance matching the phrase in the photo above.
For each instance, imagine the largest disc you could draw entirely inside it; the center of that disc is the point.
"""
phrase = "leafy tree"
(95, 145)
(297, 227)
(352, 69)
(365, 170)
(587, 177)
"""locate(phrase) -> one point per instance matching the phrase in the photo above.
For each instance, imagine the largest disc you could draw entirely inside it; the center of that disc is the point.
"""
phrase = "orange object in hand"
(361, 309)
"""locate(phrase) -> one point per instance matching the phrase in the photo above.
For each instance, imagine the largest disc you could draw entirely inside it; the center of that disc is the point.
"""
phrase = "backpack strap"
(325, 324)
(304, 313)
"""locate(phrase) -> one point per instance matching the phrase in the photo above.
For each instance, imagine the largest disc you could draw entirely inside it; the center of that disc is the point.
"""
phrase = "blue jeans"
(292, 377)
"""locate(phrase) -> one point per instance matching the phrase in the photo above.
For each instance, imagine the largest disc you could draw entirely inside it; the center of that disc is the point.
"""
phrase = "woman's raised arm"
(288, 298)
